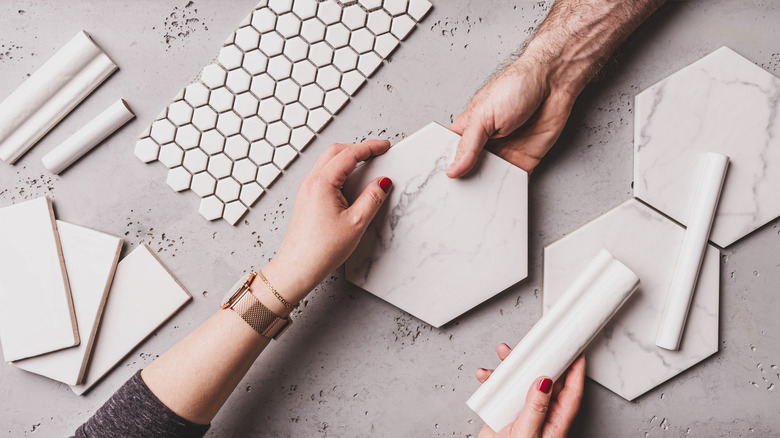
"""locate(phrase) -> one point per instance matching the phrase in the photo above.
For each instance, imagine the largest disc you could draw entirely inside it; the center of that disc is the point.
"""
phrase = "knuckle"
(539, 406)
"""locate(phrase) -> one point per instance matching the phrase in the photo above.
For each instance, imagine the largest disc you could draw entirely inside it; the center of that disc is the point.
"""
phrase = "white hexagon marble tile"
(721, 103)
(624, 357)
(439, 247)
(279, 79)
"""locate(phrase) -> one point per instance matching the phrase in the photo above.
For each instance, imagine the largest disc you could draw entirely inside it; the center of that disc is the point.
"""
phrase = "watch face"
(232, 292)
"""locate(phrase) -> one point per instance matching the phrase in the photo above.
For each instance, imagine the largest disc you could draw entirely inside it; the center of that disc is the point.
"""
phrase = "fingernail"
(449, 168)
(385, 184)
(545, 385)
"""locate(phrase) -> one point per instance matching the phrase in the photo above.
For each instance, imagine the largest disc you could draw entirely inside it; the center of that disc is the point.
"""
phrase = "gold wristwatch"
(241, 300)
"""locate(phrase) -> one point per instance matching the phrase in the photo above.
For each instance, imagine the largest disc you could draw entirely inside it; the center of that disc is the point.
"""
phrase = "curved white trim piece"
(47, 96)
(88, 137)
(556, 340)
(686, 271)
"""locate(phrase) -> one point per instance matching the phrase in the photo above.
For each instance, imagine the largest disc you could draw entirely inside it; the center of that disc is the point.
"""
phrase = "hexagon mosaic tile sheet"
(278, 80)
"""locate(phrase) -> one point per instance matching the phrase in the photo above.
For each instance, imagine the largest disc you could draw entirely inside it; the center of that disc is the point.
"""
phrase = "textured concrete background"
(353, 365)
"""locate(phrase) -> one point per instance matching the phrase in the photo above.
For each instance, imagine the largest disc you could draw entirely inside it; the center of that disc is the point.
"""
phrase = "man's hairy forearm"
(579, 36)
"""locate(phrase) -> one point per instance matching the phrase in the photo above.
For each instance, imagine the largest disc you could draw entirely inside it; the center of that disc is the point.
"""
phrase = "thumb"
(471, 143)
(372, 198)
(531, 419)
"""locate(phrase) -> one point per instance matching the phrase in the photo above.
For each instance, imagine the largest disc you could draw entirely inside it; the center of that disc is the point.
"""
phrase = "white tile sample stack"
(90, 258)
(50, 94)
(440, 246)
(144, 294)
(624, 358)
(555, 341)
(62, 283)
(36, 310)
(279, 79)
(721, 103)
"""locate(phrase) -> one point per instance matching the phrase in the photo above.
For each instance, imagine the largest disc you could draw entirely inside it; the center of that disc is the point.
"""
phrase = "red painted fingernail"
(545, 385)
(385, 184)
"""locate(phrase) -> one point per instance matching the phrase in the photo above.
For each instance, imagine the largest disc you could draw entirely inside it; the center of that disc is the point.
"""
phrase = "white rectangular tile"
(36, 311)
(90, 258)
(144, 295)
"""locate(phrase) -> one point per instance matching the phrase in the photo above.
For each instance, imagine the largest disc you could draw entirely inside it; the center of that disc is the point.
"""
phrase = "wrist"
(562, 71)
(287, 283)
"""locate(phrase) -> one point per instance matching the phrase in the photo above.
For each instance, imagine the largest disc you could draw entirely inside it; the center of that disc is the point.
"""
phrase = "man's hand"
(517, 114)
(520, 114)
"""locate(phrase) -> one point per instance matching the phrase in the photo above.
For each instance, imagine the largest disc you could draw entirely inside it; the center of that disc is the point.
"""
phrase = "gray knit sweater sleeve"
(134, 411)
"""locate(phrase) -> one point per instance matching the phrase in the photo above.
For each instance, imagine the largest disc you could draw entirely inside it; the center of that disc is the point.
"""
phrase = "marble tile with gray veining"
(722, 103)
(440, 246)
(624, 357)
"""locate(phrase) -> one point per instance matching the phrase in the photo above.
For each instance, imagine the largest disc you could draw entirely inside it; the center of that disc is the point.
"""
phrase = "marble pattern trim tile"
(277, 81)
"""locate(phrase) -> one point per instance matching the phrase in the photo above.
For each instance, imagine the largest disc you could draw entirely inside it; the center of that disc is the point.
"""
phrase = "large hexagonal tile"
(439, 247)
(722, 103)
(624, 357)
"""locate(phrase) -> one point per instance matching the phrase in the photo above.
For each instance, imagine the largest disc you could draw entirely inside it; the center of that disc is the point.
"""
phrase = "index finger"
(344, 163)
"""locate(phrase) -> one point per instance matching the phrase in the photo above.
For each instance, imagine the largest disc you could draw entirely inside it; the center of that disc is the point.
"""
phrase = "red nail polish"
(385, 184)
(545, 385)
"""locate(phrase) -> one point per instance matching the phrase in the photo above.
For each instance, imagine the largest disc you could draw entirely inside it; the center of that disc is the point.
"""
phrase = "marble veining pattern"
(624, 357)
(722, 103)
(439, 247)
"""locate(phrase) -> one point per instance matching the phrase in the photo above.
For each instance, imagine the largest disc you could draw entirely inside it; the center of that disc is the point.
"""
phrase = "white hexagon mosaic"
(278, 80)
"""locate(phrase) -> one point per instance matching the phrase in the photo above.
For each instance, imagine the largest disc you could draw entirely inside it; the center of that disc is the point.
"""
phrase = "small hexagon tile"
(624, 357)
(721, 103)
(277, 81)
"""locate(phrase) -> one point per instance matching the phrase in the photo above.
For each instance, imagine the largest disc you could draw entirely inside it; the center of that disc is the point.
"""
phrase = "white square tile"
(142, 297)
(31, 262)
(90, 258)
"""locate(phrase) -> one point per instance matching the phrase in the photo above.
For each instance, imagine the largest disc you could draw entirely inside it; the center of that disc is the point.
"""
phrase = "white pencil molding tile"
(277, 81)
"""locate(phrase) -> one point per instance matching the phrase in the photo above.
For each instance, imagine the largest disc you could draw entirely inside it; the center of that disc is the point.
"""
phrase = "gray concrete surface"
(353, 365)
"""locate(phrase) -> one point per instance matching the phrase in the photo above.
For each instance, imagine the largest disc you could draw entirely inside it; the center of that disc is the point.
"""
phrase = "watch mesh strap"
(259, 317)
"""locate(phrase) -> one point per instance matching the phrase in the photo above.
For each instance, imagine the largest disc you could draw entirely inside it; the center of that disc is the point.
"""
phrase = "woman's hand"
(549, 409)
(324, 229)
(519, 115)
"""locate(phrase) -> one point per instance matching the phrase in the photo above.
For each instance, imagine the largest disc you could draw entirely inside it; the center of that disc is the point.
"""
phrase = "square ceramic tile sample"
(278, 80)
(722, 103)
(440, 246)
(624, 357)
(32, 271)
(90, 258)
(143, 296)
